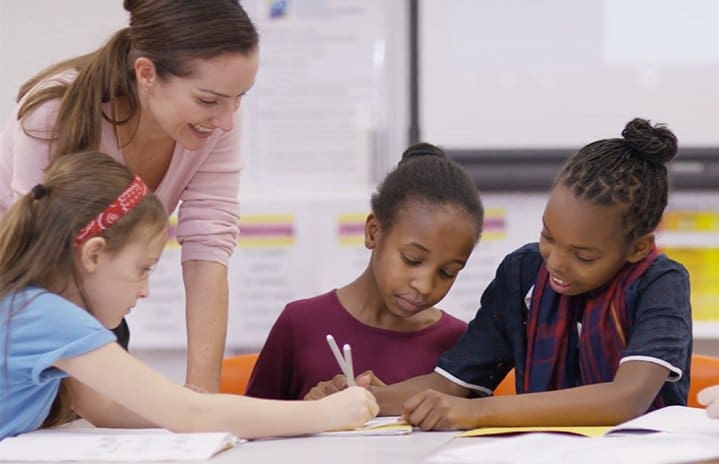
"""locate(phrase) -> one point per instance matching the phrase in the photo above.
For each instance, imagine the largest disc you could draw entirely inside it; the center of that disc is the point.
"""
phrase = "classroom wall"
(321, 209)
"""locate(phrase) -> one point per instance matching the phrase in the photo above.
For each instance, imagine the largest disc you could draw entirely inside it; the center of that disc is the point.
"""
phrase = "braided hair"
(629, 171)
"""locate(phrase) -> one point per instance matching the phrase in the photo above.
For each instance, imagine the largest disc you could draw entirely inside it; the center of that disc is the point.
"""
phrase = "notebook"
(100, 444)
(673, 419)
(390, 425)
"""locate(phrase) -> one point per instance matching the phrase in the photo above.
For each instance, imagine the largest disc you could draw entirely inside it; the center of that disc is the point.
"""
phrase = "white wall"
(37, 33)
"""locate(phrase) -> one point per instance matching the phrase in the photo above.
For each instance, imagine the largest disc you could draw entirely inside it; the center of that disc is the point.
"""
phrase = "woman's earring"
(146, 89)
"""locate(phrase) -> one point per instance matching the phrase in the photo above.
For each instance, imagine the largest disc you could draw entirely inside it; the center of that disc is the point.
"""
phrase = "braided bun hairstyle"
(629, 171)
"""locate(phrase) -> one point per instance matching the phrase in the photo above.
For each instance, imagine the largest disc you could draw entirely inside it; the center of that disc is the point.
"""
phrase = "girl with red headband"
(75, 255)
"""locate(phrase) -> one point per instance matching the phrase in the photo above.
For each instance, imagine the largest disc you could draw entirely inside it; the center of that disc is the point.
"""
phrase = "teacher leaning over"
(159, 96)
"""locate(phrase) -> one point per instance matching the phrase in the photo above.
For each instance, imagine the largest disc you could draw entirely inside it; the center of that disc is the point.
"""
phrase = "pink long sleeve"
(207, 226)
(23, 158)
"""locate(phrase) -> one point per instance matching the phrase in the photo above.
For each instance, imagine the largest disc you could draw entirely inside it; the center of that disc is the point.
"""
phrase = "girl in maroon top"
(426, 219)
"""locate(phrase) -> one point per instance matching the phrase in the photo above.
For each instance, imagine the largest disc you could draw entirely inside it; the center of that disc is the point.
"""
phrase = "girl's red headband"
(124, 203)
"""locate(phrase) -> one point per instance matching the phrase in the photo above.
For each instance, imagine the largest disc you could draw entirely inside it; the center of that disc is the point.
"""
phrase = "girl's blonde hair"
(37, 234)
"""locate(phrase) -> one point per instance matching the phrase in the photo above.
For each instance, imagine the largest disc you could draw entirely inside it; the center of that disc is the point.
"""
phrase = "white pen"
(348, 365)
(345, 364)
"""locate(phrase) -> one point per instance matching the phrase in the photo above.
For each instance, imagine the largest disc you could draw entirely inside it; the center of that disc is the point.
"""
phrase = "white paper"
(98, 444)
(315, 107)
(376, 426)
(541, 448)
(677, 419)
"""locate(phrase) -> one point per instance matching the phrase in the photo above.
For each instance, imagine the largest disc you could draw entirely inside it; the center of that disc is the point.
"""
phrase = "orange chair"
(506, 386)
(236, 371)
(705, 373)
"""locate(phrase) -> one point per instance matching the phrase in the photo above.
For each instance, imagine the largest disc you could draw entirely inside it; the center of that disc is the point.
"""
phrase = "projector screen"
(549, 74)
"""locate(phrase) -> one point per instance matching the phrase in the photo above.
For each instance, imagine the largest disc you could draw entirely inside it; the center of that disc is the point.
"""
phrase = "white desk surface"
(416, 447)
(411, 448)
(397, 449)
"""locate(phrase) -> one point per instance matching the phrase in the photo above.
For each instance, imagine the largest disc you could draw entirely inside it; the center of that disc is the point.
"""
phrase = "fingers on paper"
(424, 409)
(709, 397)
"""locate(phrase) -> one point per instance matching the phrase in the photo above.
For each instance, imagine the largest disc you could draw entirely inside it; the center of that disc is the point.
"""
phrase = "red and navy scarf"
(553, 361)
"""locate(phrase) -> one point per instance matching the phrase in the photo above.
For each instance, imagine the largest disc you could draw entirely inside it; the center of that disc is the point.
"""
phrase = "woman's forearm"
(206, 293)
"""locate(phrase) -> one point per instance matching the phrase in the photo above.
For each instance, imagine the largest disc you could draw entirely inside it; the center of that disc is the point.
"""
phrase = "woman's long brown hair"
(171, 33)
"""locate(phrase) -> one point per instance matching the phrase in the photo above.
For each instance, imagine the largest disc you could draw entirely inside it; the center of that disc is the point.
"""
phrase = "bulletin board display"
(689, 233)
(298, 248)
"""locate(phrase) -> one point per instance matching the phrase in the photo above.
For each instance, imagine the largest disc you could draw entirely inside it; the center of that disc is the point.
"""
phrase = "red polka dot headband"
(124, 203)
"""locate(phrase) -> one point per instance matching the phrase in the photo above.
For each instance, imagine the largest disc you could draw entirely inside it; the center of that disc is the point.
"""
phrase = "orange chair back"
(236, 371)
(506, 386)
(705, 373)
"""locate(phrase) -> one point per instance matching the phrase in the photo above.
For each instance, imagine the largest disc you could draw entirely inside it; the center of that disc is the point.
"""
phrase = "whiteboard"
(516, 74)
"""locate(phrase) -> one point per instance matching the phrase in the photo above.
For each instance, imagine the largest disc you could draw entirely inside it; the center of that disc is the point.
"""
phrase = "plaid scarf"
(553, 360)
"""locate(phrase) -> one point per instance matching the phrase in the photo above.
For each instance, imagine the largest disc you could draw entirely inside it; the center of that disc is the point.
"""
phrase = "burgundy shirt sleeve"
(272, 374)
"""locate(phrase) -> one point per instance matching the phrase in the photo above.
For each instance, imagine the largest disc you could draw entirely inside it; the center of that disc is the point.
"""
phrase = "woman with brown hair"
(160, 96)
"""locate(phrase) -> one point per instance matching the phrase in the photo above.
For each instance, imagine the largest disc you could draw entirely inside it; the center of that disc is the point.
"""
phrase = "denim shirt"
(658, 308)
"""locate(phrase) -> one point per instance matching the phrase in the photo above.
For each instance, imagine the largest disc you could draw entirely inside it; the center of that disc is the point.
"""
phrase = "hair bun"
(422, 149)
(654, 144)
(38, 191)
(130, 5)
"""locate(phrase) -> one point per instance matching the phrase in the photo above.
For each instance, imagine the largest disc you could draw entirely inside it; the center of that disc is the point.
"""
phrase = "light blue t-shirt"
(37, 329)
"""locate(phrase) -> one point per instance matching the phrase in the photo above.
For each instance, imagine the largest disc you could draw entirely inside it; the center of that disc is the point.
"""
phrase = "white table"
(404, 449)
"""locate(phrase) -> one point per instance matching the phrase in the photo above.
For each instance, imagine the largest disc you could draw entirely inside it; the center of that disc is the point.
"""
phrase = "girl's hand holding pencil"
(346, 379)
(367, 379)
(351, 408)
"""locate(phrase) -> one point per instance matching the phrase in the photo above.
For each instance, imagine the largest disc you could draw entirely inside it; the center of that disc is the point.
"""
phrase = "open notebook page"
(100, 444)
(674, 419)
(552, 448)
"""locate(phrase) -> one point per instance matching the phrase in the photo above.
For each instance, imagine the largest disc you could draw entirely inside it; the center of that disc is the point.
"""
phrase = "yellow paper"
(594, 431)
